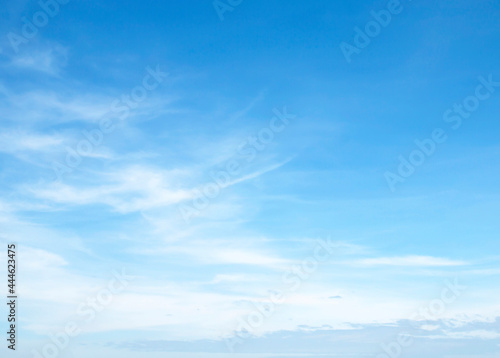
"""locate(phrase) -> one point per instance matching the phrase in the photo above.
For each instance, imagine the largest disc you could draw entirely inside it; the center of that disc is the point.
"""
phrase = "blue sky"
(210, 155)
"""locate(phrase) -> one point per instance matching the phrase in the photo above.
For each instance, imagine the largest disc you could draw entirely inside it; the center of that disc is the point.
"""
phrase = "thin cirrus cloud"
(133, 189)
(15, 141)
(128, 190)
(52, 107)
(49, 61)
(412, 260)
(213, 252)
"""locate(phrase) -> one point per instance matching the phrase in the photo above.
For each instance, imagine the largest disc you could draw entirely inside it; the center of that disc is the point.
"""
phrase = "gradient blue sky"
(323, 175)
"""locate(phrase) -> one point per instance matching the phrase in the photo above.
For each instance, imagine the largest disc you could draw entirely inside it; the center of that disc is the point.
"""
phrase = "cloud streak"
(413, 261)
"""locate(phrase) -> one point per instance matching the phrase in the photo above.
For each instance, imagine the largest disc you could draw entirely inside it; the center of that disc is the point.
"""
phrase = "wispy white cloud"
(127, 190)
(15, 141)
(409, 261)
(260, 172)
(482, 334)
(249, 107)
(51, 107)
(222, 252)
(49, 61)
